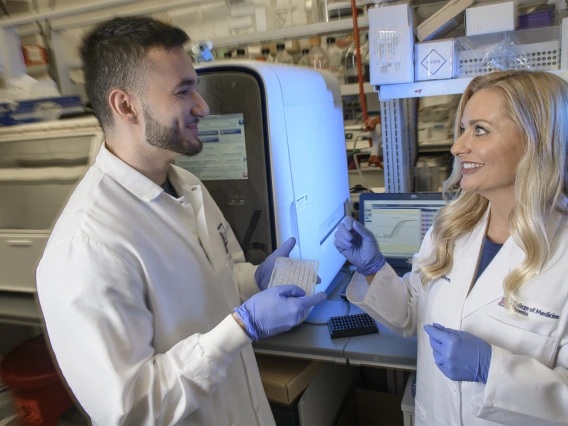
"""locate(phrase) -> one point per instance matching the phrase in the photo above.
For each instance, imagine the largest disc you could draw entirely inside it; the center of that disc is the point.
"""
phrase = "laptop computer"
(399, 222)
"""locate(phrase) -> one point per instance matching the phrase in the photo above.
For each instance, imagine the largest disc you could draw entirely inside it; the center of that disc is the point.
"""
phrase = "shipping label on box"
(391, 43)
(490, 18)
(434, 60)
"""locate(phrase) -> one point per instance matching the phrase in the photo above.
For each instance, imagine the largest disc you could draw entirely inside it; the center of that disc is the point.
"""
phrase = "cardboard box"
(284, 379)
(434, 60)
(439, 21)
(391, 45)
(490, 18)
(366, 407)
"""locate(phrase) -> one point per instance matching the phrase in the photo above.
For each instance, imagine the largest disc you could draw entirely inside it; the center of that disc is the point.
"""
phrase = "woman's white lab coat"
(528, 376)
(137, 289)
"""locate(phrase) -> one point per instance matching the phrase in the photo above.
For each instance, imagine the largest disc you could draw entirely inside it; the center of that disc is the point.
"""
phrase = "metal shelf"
(19, 308)
(291, 32)
(353, 89)
(418, 89)
(454, 86)
(37, 69)
(366, 170)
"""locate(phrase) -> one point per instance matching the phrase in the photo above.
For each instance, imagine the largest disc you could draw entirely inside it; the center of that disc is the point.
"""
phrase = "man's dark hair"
(114, 56)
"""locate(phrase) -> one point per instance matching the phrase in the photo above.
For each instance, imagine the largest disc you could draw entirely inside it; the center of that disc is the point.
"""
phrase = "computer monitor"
(399, 222)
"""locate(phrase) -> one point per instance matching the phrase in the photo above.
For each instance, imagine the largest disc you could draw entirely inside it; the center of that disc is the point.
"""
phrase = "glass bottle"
(303, 62)
(351, 72)
(283, 57)
(335, 56)
(317, 58)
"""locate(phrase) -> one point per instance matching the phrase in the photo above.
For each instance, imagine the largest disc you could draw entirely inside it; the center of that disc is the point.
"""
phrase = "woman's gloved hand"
(359, 246)
(276, 310)
(461, 356)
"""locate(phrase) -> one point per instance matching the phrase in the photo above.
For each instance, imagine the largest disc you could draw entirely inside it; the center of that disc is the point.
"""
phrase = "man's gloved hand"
(276, 310)
(264, 270)
(359, 246)
(461, 356)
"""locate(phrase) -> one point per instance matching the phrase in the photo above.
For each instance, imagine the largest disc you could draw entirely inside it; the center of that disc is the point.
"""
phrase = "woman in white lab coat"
(488, 291)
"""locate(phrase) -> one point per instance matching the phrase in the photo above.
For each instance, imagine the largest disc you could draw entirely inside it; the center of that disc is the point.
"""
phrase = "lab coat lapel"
(489, 286)
(202, 224)
(212, 236)
(466, 254)
(194, 194)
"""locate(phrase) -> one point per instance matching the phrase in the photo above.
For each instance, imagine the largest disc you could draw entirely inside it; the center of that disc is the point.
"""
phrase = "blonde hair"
(537, 102)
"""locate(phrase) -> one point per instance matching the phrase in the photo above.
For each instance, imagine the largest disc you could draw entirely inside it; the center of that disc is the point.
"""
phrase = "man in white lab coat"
(142, 282)
(488, 291)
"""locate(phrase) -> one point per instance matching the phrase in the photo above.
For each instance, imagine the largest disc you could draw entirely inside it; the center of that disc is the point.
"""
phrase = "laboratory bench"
(311, 340)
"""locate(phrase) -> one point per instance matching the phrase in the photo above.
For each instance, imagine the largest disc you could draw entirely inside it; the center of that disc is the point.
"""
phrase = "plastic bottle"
(283, 57)
(303, 62)
(351, 72)
(335, 56)
(317, 58)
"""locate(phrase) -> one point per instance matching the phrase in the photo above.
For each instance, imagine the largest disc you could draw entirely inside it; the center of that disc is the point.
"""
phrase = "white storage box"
(434, 60)
(490, 18)
(407, 405)
(391, 45)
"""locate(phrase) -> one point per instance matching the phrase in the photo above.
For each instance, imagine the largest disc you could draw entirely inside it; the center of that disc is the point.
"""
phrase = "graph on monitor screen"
(398, 231)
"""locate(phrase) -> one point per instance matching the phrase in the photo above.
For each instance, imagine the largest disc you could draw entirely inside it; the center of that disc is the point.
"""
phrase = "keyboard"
(301, 272)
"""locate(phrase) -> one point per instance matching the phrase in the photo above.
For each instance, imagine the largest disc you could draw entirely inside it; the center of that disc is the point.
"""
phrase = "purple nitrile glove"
(461, 356)
(264, 270)
(276, 309)
(359, 246)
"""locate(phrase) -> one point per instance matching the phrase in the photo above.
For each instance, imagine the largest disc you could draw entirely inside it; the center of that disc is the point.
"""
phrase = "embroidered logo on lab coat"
(531, 312)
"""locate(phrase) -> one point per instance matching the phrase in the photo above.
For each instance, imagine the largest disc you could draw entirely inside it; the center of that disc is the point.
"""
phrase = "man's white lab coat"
(528, 377)
(137, 288)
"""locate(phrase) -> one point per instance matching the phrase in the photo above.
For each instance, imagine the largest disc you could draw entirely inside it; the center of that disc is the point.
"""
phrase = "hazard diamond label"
(433, 62)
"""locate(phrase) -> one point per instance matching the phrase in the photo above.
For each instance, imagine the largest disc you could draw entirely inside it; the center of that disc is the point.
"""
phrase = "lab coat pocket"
(520, 341)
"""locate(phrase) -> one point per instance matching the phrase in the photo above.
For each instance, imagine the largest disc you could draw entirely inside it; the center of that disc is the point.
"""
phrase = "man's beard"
(164, 137)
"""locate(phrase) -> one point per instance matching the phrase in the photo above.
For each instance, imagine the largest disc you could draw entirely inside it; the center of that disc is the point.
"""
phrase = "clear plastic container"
(303, 62)
(335, 56)
(283, 57)
(351, 72)
(317, 58)
(300, 272)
